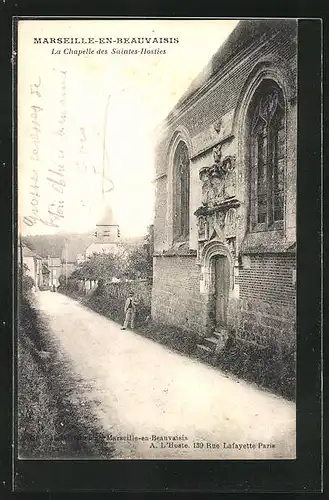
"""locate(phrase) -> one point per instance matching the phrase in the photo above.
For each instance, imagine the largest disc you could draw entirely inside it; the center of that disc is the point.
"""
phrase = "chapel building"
(225, 206)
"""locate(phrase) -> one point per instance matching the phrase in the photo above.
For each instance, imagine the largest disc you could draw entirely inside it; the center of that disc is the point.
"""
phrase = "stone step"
(203, 350)
(222, 335)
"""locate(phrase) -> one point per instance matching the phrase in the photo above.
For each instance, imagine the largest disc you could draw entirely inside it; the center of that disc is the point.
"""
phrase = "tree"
(101, 267)
(139, 263)
(130, 262)
(27, 281)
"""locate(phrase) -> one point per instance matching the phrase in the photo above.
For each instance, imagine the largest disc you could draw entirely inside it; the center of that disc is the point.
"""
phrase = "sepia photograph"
(156, 241)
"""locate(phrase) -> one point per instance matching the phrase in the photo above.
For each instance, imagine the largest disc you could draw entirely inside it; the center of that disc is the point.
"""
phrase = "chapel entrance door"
(222, 286)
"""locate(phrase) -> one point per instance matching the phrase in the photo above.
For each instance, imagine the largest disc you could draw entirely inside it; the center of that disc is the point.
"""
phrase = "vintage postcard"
(156, 238)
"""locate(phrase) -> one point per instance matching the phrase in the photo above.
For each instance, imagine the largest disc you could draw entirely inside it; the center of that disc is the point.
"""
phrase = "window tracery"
(267, 155)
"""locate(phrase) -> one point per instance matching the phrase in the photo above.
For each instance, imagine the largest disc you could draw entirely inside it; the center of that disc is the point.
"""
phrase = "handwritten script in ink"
(87, 167)
(50, 166)
(35, 124)
(55, 174)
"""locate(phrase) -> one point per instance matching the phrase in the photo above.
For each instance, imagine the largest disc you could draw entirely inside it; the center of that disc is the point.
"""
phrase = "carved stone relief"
(217, 216)
(210, 189)
(231, 243)
(217, 154)
(218, 180)
(202, 228)
(230, 223)
(229, 189)
(216, 225)
(218, 125)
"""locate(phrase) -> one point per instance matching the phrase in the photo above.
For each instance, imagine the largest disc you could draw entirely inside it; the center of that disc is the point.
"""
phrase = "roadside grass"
(36, 409)
(53, 419)
(264, 367)
(267, 368)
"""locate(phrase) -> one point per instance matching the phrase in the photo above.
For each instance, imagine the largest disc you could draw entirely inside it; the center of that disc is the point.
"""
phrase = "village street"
(142, 389)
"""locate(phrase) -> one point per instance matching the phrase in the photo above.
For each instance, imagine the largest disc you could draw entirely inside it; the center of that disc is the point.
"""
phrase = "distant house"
(107, 235)
(54, 266)
(45, 273)
(73, 253)
(32, 262)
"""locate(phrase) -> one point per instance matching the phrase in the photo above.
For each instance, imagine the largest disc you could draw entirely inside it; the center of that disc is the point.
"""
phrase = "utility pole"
(51, 272)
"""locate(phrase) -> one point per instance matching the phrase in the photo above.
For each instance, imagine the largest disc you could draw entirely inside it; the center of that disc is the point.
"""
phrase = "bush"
(25, 281)
(100, 266)
(139, 264)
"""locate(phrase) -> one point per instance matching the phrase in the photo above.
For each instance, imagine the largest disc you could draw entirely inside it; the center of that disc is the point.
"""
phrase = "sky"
(82, 115)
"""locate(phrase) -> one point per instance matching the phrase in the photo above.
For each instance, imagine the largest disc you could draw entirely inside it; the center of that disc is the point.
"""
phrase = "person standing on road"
(130, 311)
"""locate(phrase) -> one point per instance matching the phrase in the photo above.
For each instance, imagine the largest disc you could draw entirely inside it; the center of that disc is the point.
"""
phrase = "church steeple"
(107, 218)
(107, 230)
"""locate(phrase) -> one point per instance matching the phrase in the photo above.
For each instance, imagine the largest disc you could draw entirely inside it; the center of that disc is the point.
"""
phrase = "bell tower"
(107, 231)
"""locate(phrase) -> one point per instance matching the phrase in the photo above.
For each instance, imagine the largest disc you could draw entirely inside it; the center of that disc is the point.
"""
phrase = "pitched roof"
(107, 218)
(27, 252)
(179, 248)
(76, 246)
(245, 32)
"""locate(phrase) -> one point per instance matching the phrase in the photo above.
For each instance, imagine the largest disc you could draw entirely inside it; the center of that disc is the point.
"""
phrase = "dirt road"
(144, 395)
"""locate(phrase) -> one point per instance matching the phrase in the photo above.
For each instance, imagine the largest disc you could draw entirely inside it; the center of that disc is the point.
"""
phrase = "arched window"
(267, 157)
(181, 191)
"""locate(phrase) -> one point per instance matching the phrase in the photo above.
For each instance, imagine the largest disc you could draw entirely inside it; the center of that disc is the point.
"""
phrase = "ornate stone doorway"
(217, 224)
(216, 281)
(221, 273)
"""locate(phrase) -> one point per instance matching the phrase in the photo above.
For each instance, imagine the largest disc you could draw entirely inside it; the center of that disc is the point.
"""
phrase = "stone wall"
(160, 215)
(262, 302)
(266, 310)
(176, 298)
(270, 277)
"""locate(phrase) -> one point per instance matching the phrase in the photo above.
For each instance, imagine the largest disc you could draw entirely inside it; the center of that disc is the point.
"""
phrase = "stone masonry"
(213, 119)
